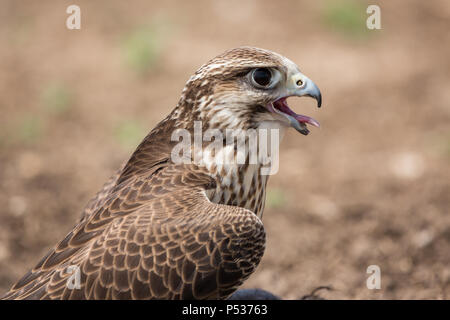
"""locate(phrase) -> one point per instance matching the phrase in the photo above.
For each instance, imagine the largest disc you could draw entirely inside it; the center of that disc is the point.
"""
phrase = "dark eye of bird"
(262, 76)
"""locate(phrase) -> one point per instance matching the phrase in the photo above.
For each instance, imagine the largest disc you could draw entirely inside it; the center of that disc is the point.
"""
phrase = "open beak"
(297, 85)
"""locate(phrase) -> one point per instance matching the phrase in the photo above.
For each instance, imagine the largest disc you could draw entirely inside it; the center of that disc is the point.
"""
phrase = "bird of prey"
(161, 229)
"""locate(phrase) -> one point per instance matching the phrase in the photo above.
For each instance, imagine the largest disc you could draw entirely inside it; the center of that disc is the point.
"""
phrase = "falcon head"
(245, 87)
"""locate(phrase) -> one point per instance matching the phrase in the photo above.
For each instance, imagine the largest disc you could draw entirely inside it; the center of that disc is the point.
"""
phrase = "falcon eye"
(261, 77)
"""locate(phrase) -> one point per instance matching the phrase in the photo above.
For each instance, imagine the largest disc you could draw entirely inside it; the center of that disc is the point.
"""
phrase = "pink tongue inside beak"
(282, 106)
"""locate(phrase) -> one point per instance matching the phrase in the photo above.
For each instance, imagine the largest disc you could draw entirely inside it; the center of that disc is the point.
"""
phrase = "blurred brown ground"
(371, 187)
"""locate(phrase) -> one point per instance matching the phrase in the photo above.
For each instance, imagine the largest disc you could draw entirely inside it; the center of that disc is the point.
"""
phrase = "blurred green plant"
(447, 149)
(3, 136)
(275, 198)
(56, 98)
(30, 129)
(347, 16)
(439, 144)
(142, 48)
(129, 133)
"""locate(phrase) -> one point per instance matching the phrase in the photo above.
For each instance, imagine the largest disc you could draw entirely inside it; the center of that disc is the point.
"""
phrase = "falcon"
(162, 229)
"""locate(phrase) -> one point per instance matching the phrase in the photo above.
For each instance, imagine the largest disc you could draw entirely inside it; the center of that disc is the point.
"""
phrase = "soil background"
(370, 187)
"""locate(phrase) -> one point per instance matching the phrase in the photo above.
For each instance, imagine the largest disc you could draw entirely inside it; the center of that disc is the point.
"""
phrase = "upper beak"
(300, 85)
(297, 85)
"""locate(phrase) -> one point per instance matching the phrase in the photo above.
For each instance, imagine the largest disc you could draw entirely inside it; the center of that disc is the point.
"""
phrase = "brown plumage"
(165, 230)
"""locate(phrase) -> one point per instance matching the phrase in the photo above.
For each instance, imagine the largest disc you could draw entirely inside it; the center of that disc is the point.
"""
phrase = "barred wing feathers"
(156, 237)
